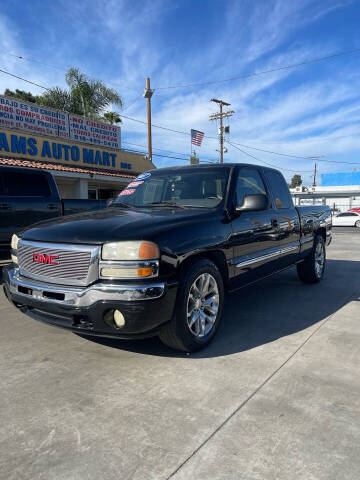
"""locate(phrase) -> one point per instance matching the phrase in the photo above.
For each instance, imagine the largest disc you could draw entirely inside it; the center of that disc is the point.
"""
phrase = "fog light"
(114, 318)
(119, 319)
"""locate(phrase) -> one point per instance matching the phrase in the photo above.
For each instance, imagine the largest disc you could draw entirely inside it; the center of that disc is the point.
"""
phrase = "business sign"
(29, 117)
(34, 147)
(91, 131)
(27, 146)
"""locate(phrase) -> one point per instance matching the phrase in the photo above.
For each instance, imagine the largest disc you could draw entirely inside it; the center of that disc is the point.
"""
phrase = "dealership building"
(84, 156)
(341, 191)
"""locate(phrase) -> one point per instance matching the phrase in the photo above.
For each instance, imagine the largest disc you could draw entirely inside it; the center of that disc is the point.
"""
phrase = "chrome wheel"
(319, 259)
(202, 305)
(357, 224)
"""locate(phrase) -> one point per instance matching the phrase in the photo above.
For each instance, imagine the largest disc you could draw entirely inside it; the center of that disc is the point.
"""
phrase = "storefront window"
(92, 194)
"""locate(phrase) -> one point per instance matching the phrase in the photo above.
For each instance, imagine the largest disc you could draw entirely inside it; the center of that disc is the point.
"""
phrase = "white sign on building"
(90, 131)
(32, 118)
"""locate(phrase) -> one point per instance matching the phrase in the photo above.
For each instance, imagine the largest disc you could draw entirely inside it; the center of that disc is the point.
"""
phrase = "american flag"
(196, 137)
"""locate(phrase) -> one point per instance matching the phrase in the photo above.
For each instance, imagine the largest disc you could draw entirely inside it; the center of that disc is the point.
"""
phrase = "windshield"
(202, 188)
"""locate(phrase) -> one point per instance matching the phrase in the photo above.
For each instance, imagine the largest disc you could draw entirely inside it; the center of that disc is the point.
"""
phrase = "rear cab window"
(25, 184)
(279, 190)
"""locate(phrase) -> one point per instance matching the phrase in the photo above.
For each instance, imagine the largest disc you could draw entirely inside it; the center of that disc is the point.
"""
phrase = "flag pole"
(190, 144)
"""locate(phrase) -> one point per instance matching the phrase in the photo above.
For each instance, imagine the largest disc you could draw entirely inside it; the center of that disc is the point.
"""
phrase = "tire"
(357, 224)
(312, 269)
(196, 317)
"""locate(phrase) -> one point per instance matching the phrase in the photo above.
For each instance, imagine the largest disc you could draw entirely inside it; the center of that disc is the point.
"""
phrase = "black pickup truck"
(28, 196)
(160, 259)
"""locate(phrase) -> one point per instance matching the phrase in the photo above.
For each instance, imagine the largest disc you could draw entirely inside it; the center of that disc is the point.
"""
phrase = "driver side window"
(249, 182)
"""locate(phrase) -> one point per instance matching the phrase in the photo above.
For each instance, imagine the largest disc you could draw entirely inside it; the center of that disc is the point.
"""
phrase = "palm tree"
(112, 117)
(93, 95)
(85, 96)
(61, 99)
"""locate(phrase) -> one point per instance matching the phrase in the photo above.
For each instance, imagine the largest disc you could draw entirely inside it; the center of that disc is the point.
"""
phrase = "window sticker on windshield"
(127, 191)
(143, 176)
(134, 184)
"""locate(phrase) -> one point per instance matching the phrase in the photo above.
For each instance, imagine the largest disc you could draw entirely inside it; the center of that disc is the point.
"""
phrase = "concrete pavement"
(276, 396)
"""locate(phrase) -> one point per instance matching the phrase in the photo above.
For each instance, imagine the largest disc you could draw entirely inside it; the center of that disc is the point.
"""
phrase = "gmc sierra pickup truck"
(160, 259)
(28, 196)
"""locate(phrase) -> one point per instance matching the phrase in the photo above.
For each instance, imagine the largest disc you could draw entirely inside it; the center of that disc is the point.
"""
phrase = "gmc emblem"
(47, 259)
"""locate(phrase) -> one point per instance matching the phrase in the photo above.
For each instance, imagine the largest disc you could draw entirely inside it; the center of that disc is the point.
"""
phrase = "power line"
(160, 149)
(130, 104)
(24, 79)
(255, 74)
(62, 69)
(275, 153)
(188, 133)
(214, 138)
(169, 151)
(212, 82)
(168, 156)
(296, 156)
(269, 164)
(33, 60)
(337, 161)
(158, 155)
(159, 126)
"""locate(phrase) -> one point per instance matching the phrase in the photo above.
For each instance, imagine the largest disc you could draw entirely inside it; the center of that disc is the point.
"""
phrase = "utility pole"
(148, 94)
(314, 182)
(220, 116)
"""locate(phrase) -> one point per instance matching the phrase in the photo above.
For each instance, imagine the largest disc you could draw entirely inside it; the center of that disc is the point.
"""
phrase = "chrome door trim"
(290, 249)
(277, 253)
(251, 261)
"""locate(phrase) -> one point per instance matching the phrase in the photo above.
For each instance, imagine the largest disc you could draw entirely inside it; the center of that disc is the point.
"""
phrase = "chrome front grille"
(58, 263)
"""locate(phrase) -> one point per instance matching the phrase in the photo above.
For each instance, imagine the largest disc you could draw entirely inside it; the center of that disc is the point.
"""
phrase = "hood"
(110, 224)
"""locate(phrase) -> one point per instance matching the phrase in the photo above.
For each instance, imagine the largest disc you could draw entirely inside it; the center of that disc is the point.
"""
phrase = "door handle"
(53, 206)
(5, 206)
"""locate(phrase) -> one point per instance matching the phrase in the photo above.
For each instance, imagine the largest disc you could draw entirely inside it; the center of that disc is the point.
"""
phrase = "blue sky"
(306, 111)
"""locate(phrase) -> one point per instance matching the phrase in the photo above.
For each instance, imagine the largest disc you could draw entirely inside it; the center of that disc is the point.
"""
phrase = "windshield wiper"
(165, 204)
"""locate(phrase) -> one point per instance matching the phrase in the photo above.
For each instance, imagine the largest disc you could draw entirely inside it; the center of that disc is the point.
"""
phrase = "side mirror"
(253, 203)
(109, 202)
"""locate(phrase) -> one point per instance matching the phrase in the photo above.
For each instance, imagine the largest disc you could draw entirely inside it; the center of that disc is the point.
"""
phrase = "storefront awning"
(22, 162)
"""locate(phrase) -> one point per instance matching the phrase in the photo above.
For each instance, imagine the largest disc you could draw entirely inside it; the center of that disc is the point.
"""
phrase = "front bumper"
(145, 307)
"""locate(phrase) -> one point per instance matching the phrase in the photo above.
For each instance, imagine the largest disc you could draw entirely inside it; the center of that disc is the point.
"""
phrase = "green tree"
(84, 96)
(21, 95)
(61, 99)
(93, 95)
(296, 181)
(112, 117)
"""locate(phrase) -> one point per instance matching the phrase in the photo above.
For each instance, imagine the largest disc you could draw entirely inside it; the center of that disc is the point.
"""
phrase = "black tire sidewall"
(182, 330)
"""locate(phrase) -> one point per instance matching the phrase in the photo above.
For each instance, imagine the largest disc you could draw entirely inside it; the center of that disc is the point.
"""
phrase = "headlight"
(14, 242)
(14, 245)
(133, 259)
(133, 250)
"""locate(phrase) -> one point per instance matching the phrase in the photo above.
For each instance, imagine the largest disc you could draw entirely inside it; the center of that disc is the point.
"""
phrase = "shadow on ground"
(264, 312)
